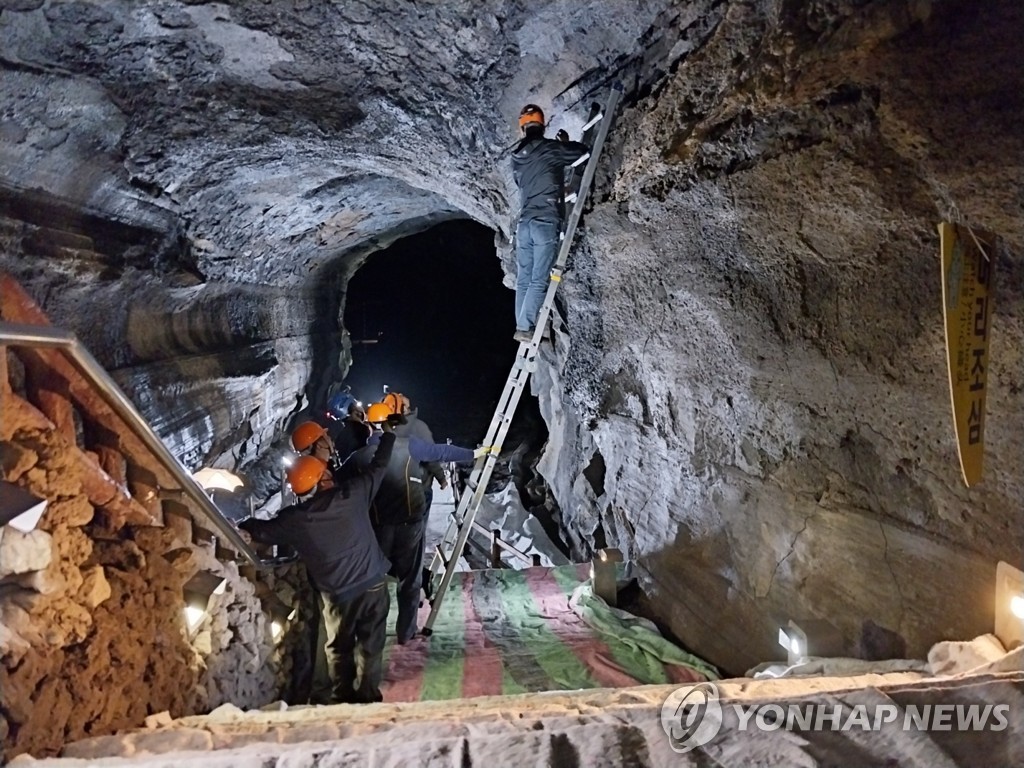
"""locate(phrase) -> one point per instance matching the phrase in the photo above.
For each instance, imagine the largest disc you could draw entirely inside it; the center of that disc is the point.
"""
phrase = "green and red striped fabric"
(505, 631)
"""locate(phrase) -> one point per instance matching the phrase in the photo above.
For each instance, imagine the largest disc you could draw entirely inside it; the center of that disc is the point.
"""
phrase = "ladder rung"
(571, 198)
(581, 160)
(597, 118)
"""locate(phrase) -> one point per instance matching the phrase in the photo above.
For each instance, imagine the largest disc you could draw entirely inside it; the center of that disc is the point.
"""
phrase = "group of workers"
(365, 478)
(364, 486)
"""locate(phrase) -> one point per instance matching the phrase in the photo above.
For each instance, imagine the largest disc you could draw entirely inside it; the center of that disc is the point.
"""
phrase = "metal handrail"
(18, 334)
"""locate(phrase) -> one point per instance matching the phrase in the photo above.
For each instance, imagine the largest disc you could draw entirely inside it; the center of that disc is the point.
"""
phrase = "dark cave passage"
(429, 317)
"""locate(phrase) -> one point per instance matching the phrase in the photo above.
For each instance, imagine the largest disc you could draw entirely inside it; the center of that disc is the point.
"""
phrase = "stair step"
(598, 727)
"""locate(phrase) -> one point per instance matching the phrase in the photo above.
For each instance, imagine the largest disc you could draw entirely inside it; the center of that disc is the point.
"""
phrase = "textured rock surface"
(755, 350)
(598, 728)
(92, 633)
(749, 395)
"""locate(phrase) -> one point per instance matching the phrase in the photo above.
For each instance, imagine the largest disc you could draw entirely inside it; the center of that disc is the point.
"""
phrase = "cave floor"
(520, 631)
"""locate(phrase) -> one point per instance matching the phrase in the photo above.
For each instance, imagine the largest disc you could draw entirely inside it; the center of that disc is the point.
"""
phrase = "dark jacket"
(348, 436)
(414, 427)
(401, 499)
(538, 166)
(332, 531)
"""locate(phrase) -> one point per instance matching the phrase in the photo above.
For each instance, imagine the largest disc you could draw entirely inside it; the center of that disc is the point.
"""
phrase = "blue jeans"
(536, 250)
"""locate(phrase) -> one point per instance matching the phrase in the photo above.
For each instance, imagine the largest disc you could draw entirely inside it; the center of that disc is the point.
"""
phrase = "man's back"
(538, 166)
(348, 435)
(333, 536)
(332, 531)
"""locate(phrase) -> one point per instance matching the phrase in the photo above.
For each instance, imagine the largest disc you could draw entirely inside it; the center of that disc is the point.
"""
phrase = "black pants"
(403, 546)
(355, 644)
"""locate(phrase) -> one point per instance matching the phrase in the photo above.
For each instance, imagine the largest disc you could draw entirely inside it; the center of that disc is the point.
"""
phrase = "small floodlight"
(1009, 625)
(795, 643)
(193, 616)
(210, 479)
(280, 614)
(19, 508)
(197, 593)
(1017, 606)
(604, 573)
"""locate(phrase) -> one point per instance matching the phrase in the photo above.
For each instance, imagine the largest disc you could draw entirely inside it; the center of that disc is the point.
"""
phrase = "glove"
(483, 450)
(562, 135)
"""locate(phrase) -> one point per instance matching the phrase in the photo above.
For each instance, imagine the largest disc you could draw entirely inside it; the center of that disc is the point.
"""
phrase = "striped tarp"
(507, 631)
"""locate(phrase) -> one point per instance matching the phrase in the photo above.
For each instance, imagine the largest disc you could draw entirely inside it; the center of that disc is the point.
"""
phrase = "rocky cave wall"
(750, 397)
(93, 636)
(755, 357)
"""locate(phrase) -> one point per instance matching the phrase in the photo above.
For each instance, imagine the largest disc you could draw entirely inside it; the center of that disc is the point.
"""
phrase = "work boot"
(523, 337)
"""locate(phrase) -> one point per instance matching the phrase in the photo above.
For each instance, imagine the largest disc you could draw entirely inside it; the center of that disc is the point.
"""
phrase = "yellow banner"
(968, 268)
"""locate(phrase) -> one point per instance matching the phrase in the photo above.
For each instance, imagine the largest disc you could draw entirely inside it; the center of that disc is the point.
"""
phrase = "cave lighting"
(210, 478)
(193, 615)
(280, 614)
(1017, 606)
(197, 593)
(19, 508)
(795, 643)
(1009, 605)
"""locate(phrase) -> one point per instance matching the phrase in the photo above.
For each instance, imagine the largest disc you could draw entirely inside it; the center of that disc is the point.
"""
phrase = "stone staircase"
(587, 728)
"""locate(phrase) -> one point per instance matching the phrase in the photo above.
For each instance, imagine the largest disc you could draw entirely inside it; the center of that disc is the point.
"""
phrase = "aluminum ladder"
(450, 550)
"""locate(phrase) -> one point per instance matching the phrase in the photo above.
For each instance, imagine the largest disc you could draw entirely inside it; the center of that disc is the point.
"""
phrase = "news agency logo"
(691, 716)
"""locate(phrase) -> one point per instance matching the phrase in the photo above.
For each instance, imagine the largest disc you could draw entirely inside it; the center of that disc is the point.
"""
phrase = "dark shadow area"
(430, 318)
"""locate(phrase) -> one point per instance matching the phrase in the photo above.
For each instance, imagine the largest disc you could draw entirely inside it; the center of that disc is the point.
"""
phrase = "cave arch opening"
(429, 317)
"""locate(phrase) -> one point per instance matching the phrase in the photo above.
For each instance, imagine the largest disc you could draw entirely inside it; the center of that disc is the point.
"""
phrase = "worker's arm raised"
(421, 450)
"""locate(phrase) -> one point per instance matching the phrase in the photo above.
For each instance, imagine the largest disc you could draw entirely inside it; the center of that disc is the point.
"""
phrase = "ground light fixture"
(1009, 607)
(794, 640)
(210, 479)
(197, 593)
(604, 573)
(280, 614)
(19, 508)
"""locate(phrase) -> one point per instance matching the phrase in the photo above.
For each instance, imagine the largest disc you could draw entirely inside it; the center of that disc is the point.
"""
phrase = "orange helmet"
(397, 402)
(305, 473)
(378, 413)
(531, 115)
(307, 433)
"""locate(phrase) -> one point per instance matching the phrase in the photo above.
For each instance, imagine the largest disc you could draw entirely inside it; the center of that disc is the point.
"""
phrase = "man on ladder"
(542, 200)
(538, 166)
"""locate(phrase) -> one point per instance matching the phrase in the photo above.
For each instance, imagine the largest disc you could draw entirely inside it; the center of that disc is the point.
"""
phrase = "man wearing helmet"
(330, 529)
(414, 426)
(347, 428)
(399, 511)
(538, 166)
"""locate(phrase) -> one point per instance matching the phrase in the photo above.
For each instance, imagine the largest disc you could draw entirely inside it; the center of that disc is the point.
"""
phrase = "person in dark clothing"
(399, 512)
(350, 433)
(416, 427)
(332, 533)
(538, 166)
